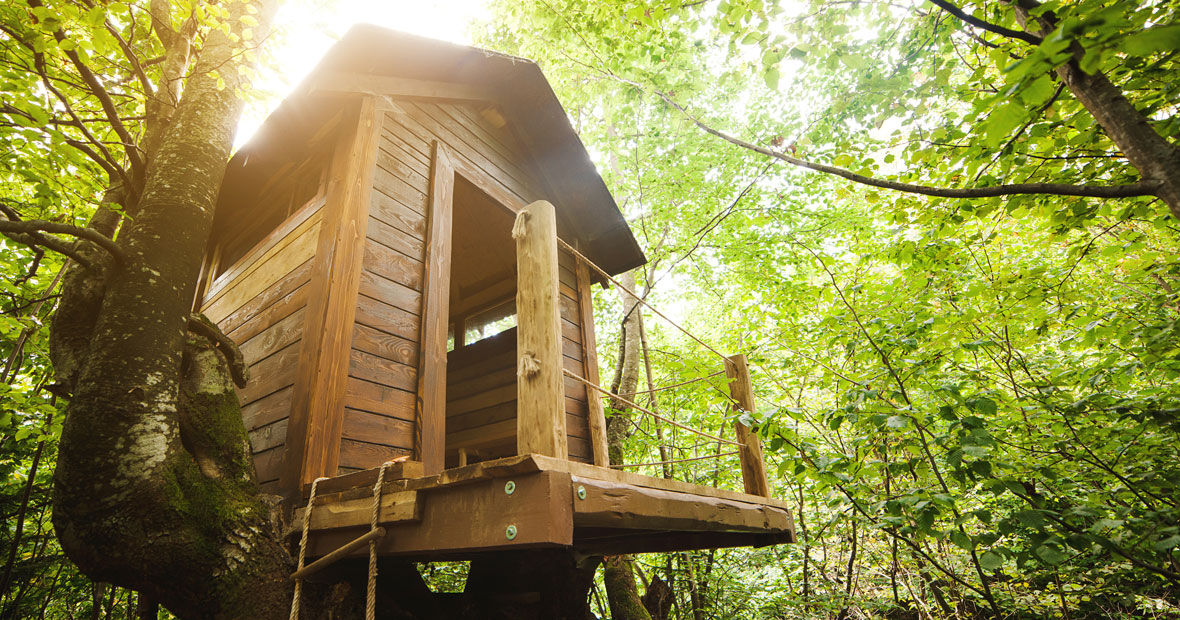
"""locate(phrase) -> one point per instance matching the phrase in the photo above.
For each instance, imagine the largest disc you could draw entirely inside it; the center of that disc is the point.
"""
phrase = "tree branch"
(1140, 188)
(35, 240)
(104, 98)
(35, 227)
(1027, 37)
(202, 326)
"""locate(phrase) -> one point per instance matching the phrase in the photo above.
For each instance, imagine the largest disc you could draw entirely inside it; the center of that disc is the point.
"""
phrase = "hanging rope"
(303, 549)
(649, 411)
(639, 299)
(371, 589)
(695, 458)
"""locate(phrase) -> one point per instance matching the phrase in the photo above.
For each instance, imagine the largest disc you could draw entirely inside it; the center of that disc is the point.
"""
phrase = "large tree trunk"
(154, 487)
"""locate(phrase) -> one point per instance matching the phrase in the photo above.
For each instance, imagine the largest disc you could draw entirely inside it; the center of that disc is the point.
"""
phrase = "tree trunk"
(621, 592)
(1150, 153)
(154, 487)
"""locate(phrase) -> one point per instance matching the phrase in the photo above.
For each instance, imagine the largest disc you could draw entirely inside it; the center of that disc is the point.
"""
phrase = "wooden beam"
(397, 87)
(616, 542)
(396, 507)
(753, 465)
(590, 367)
(625, 506)
(475, 517)
(540, 417)
(431, 424)
(586, 470)
(317, 402)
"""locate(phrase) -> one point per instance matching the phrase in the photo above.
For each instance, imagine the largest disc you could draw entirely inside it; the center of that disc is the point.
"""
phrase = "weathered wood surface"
(627, 506)
(753, 464)
(540, 426)
(397, 87)
(596, 414)
(317, 413)
(474, 516)
(467, 510)
(396, 507)
(432, 386)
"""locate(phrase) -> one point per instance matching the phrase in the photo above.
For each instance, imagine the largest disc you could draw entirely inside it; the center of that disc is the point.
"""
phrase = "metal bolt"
(510, 533)
(509, 487)
(581, 492)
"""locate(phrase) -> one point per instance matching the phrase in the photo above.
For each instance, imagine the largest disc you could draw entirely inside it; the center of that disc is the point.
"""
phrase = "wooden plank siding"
(380, 394)
(481, 407)
(261, 303)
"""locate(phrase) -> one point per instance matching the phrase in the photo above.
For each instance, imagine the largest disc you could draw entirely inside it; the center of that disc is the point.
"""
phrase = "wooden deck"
(534, 501)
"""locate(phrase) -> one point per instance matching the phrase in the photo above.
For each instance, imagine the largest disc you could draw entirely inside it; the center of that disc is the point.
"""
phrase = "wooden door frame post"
(753, 465)
(430, 425)
(540, 415)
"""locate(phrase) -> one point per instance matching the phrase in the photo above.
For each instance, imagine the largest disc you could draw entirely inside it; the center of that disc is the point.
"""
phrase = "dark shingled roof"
(516, 85)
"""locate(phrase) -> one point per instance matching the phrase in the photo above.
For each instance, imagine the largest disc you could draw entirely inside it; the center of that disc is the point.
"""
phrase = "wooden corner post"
(540, 413)
(753, 465)
(317, 400)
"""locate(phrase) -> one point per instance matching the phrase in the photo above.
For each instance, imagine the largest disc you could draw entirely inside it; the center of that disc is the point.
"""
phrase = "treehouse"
(405, 254)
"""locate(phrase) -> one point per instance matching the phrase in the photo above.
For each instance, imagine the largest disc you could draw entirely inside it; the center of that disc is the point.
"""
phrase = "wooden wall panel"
(480, 390)
(261, 304)
(383, 371)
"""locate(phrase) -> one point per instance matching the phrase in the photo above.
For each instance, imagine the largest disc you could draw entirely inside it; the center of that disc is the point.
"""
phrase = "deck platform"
(533, 501)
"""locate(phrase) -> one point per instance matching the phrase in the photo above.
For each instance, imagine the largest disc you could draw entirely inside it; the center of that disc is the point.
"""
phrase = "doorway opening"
(481, 349)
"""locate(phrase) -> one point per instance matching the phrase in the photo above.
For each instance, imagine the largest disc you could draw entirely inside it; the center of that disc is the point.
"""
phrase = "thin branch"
(202, 326)
(104, 98)
(1027, 37)
(1140, 188)
(33, 227)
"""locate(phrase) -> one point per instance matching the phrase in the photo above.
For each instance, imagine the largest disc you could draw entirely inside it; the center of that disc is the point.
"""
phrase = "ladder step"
(333, 557)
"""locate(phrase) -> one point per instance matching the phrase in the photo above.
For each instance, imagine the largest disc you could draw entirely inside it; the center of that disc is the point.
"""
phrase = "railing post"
(540, 399)
(753, 466)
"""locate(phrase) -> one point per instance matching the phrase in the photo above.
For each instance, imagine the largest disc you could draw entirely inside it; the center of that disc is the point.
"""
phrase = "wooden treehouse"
(410, 198)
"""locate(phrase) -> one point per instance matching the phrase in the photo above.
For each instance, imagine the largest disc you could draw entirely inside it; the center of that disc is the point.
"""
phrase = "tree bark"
(1150, 153)
(154, 487)
(621, 592)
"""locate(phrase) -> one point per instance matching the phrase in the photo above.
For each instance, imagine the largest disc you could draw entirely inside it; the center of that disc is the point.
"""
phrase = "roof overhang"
(385, 62)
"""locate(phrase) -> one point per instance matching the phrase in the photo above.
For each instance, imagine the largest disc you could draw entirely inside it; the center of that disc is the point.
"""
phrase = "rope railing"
(637, 298)
(649, 412)
(673, 462)
(675, 385)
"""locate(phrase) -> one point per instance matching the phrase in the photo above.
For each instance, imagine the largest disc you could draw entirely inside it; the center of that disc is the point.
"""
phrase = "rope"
(371, 589)
(303, 548)
(639, 299)
(675, 385)
(649, 411)
(695, 458)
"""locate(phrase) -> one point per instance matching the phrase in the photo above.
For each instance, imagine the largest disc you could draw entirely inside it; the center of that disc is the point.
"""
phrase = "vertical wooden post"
(597, 420)
(317, 400)
(753, 466)
(540, 399)
(431, 424)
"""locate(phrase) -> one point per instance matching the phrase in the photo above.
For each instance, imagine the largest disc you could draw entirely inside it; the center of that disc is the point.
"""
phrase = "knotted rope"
(303, 549)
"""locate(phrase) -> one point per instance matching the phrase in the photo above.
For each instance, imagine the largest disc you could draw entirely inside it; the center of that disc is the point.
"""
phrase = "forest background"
(972, 401)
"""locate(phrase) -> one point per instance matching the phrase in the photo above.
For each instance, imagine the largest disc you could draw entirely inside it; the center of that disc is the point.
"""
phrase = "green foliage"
(981, 394)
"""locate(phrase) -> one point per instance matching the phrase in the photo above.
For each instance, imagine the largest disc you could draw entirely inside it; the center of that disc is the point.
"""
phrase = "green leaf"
(1051, 554)
(1152, 40)
(991, 560)
(1001, 122)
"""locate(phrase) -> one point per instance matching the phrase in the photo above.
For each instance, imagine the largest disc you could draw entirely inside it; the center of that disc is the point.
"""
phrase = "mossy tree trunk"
(154, 487)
